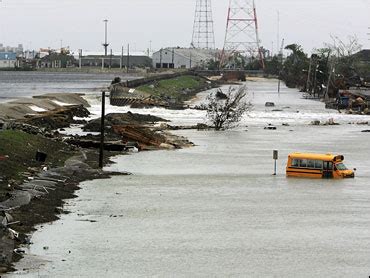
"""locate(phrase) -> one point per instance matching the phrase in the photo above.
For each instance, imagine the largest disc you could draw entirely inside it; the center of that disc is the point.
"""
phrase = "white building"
(185, 58)
(8, 59)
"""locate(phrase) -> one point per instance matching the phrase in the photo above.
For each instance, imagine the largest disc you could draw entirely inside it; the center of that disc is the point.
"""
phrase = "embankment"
(39, 170)
(165, 90)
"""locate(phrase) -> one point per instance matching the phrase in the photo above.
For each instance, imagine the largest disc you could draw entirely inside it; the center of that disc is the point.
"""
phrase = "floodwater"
(14, 85)
(216, 210)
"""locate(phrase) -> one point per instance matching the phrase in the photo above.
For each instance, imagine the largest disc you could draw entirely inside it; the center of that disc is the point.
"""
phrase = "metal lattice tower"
(203, 34)
(242, 32)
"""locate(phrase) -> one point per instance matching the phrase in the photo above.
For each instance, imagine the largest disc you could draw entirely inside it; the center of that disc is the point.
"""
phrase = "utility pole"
(281, 65)
(331, 75)
(106, 44)
(121, 62)
(190, 61)
(110, 58)
(173, 57)
(332, 72)
(128, 58)
(278, 29)
(102, 128)
(308, 83)
(80, 58)
(160, 58)
(315, 79)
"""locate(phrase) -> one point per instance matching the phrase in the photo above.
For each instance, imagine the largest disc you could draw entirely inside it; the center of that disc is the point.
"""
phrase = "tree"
(213, 64)
(344, 58)
(273, 65)
(225, 110)
(295, 66)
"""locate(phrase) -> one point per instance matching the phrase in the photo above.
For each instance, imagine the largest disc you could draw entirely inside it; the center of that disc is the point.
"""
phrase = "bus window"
(328, 166)
(311, 164)
(341, 166)
(318, 164)
(303, 163)
(295, 163)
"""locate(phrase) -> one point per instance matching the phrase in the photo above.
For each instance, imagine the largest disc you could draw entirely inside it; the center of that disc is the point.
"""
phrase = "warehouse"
(185, 58)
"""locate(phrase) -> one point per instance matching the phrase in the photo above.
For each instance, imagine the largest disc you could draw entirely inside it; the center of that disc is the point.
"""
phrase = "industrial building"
(183, 58)
(116, 61)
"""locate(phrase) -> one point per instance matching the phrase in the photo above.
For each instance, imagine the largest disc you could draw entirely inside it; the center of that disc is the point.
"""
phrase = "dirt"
(115, 119)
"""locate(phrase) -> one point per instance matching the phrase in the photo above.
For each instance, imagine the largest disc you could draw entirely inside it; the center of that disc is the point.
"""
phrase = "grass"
(21, 149)
(180, 88)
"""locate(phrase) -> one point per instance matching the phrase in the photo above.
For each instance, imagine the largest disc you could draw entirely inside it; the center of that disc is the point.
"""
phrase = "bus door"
(328, 170)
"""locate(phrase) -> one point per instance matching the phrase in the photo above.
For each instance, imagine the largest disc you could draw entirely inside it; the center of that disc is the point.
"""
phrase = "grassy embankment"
(21, 149)
(180, 88)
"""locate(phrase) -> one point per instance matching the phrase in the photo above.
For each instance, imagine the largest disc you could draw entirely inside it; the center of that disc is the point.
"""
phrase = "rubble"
(122, 119)
(58, 118)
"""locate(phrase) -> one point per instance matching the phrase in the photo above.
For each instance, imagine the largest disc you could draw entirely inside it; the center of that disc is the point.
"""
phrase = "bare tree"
(225, 110)
(341, 48)
(344, 62)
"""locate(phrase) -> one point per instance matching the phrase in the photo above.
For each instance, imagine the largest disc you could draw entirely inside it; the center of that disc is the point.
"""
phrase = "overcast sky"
(79, 23)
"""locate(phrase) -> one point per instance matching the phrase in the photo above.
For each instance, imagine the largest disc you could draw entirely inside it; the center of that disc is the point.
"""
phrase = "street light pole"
(106, 44)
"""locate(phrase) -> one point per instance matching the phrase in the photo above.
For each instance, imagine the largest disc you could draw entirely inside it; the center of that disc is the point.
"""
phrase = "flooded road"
(14, 85)
(216, 210)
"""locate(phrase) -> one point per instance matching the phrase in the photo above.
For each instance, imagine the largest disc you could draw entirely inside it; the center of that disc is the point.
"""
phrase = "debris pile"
(58, 118)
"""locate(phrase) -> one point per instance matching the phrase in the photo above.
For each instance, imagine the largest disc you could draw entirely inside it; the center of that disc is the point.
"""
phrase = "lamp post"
(106, 44)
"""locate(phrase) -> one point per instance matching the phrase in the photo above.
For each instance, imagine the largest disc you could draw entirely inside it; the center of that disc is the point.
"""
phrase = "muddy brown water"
(216, 210)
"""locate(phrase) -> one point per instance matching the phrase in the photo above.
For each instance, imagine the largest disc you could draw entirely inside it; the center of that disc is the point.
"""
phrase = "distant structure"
(8, 60)
(182, 58)
(203, 33)
(116, 60)
(8, 55)
(15, 49)
(106, 44)
(241, 36)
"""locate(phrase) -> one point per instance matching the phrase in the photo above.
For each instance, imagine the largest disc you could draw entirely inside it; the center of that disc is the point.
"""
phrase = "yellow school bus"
(311, 165)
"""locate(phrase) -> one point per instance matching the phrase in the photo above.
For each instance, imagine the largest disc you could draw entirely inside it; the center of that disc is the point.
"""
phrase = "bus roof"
(317, 156)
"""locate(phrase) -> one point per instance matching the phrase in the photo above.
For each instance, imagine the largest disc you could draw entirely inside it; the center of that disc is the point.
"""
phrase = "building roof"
(195, 53)
(102, 54)
(363, 55)
(8, 56)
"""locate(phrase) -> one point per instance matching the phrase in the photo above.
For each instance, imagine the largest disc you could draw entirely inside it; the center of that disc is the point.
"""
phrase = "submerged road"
(216, 210)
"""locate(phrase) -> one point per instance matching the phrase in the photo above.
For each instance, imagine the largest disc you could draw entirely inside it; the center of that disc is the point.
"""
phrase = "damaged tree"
(227, 111)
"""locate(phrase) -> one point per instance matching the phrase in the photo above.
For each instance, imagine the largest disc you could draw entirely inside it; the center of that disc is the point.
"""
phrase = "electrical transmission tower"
(242, 32)
(203, 34)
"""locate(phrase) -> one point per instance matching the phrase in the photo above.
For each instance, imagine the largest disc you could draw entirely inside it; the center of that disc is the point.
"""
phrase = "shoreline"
(38, 193)
(56, 186)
